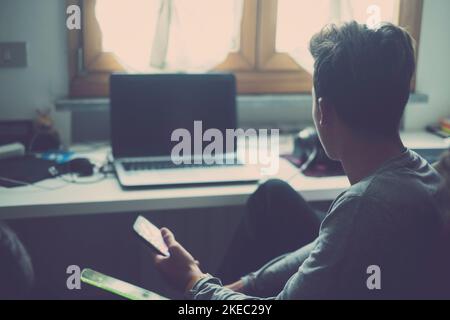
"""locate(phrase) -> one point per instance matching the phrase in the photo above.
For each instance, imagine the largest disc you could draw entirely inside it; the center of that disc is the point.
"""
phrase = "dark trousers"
(277, 221)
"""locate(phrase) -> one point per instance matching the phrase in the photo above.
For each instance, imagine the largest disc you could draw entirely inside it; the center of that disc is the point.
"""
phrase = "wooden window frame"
(258, 67)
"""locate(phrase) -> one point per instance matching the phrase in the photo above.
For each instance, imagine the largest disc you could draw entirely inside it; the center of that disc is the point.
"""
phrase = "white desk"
(107, 196)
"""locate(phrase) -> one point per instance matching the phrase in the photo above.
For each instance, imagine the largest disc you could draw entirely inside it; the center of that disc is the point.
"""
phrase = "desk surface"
(107, 196)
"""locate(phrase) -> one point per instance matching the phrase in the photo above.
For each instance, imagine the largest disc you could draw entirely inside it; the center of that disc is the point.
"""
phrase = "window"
(264, 42)
(186, 35)
(290, 16)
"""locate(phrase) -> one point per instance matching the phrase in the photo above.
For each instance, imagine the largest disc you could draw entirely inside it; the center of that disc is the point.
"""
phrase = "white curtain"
(170, 35)
(296, 25)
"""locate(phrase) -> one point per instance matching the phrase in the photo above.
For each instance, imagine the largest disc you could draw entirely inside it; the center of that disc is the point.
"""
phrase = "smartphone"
(151, 234)
(118, 287)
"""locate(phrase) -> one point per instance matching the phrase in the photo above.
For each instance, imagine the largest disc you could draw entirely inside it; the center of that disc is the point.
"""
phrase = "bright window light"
(299, 20)
(168, 35)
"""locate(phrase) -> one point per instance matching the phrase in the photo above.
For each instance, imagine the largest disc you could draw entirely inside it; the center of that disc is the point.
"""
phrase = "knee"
(267, 193)
(273, 188)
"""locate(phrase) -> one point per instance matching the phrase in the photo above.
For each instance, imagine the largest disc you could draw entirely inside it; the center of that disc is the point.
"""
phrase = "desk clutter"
(30, 151)
(30, 169)
(20, 171)
(442, 129)
(18, 139)
(37, 135)
(310, 157)
(311, 160)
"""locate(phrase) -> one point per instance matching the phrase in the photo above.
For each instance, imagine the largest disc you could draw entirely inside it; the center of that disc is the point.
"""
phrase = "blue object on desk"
(58, 156)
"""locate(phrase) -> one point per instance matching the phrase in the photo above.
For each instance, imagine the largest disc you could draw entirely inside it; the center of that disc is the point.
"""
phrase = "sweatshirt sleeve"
(314, 279)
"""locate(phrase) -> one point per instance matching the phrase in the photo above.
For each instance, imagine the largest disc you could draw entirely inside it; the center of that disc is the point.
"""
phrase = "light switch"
(13, 54)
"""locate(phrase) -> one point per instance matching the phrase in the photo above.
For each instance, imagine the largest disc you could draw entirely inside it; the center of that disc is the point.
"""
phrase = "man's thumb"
(168, 237)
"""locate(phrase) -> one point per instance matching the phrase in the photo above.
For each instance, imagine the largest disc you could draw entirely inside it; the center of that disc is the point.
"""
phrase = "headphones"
(309, 151)
(80, 166)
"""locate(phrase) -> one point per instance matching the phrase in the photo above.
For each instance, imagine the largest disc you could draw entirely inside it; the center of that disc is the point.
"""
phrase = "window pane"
(168, 35)
(299, 20)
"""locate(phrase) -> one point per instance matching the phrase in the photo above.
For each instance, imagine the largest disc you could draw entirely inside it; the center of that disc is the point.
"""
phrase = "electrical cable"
(23, 183)
(304, 166)
(104, 170)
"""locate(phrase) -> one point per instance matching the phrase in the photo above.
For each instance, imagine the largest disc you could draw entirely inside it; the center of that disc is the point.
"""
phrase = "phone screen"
(118, 287)
(150, 233)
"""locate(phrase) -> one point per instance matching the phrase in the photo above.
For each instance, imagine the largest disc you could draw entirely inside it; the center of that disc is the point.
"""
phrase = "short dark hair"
(366, 73)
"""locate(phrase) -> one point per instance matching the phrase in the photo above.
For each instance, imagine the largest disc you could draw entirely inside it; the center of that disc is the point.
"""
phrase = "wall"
(434, 65)
(42, 24)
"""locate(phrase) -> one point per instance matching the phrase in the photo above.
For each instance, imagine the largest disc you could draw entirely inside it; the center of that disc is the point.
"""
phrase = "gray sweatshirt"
(373, 243)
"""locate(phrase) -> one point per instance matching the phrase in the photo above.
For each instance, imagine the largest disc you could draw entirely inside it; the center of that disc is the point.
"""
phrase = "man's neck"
(360, 158)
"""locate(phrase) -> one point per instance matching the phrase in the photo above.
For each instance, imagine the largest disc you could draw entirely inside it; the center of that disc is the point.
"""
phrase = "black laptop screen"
(146, 109)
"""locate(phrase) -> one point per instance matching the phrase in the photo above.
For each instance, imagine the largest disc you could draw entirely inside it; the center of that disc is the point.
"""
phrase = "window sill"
(255, 110)
(243, 101)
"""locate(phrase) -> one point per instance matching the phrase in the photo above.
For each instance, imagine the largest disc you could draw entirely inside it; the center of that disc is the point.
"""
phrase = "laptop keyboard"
(161, 165)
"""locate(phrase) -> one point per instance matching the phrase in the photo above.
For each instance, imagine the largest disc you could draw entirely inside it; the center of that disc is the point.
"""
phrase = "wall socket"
(13, 55)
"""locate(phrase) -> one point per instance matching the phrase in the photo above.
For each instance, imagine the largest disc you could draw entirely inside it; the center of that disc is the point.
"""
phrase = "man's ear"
(324, 109)
(327, 113)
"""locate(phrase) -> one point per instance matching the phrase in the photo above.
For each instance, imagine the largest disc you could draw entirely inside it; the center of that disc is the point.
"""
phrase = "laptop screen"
(146, 109)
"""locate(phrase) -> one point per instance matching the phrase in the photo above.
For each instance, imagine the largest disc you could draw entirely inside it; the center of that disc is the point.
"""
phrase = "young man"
(376, 237)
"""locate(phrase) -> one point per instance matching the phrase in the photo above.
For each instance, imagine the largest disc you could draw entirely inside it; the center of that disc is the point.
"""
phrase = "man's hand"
(181, 270)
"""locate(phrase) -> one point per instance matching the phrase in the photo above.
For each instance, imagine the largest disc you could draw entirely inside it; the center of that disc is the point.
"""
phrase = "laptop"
(145, 112)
